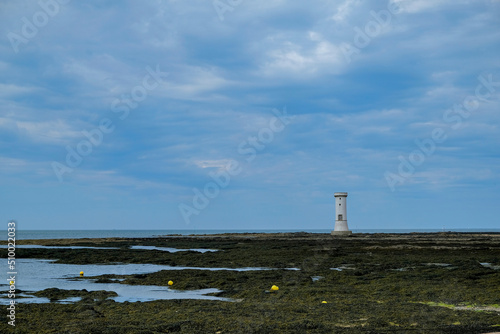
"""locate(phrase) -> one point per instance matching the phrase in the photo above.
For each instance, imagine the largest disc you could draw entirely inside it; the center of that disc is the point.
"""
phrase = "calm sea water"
(78, 234)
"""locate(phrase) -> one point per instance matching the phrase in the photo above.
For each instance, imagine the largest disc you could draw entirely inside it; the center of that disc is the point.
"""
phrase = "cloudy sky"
(240, 114)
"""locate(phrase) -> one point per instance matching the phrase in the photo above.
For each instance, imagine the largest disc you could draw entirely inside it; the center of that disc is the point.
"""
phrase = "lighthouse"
(341, 215)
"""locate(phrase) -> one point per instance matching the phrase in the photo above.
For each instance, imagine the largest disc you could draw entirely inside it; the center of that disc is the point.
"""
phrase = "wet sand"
(371, 283)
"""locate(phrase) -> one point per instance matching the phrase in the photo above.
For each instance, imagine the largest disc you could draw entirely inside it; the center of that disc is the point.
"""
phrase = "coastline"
(78, 234)
(423, 282)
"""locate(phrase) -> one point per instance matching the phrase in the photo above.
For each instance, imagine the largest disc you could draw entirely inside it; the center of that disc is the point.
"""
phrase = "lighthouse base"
(341, 228)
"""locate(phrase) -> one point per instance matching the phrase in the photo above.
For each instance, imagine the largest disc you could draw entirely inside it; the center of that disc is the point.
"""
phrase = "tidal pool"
(343, 267)
(489, 265)
(59, 247)
(165, 249)
(174, 250)
(437, 264)
(36, 275)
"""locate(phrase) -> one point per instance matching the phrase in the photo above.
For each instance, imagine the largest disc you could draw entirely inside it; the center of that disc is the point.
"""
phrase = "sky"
(239, 114)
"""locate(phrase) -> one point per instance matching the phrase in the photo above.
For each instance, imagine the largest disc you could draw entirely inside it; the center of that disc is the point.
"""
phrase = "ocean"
(78, 234)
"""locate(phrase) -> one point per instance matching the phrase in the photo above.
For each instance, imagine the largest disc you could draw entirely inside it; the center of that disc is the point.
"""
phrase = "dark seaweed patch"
(374, 296)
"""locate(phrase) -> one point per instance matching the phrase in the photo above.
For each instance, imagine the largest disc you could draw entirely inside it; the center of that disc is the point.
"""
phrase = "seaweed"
(390, 283)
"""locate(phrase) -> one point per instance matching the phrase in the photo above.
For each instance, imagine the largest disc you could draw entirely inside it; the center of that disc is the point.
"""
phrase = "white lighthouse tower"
(341, 215)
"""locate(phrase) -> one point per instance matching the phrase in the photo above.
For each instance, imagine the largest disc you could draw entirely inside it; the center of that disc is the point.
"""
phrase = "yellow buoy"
(81, 273)
(324, 302)
(170, 283)
(12, 282)
(274, 288)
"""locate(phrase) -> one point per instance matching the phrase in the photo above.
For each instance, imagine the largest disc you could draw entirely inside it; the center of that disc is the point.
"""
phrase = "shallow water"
(35, 275)
(59, 247)
(174, 250)
(437, 264)
(40, 300)
(344, 267)
(489, 265)
(165, 249)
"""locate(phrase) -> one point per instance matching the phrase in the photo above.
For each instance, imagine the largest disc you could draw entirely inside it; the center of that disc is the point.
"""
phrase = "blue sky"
(283, 102)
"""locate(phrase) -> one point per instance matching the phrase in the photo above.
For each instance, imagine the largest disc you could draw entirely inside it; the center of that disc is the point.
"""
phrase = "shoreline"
(436, 236)
(424, 282)
(78, 234)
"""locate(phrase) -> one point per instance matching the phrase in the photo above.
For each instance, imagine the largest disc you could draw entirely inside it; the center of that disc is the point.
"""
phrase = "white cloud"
(220, 164)
(451, 177)
(25, 170)
(344, 9)
(49, 132)
(418, 6)
(313, 57)
(194, 83)
(446, 76)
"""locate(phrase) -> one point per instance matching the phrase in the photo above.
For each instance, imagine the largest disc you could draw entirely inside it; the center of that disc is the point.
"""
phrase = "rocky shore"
(364, 283)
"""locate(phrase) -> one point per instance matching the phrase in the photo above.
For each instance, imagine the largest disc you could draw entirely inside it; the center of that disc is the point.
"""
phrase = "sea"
(79, 234)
